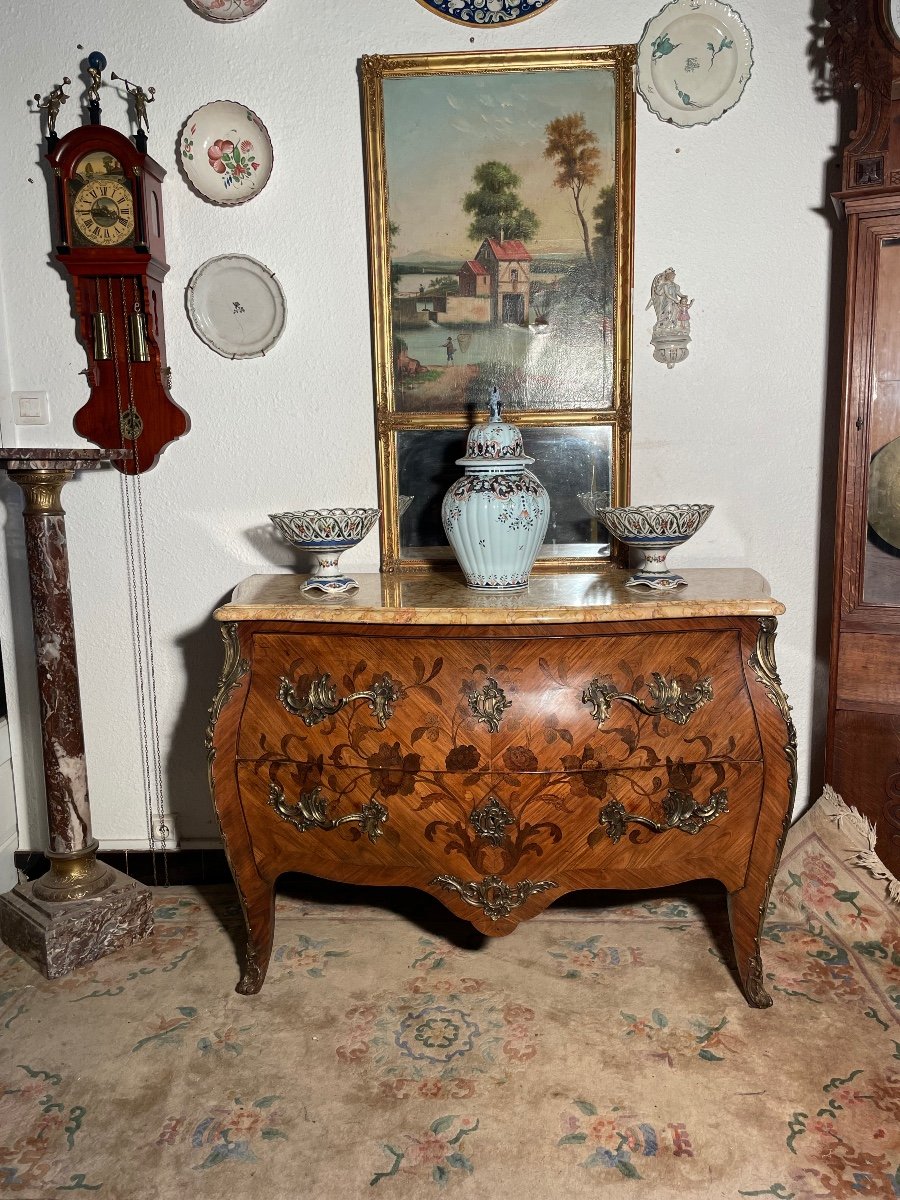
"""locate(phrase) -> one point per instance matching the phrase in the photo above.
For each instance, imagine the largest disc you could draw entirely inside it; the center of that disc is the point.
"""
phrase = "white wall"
(734, 207)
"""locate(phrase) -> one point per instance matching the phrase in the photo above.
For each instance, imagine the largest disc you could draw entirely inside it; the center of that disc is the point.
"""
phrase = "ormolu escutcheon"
(490, 821)
(490, 704)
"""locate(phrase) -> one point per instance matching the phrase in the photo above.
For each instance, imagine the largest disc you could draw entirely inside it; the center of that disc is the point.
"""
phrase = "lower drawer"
(621, 828)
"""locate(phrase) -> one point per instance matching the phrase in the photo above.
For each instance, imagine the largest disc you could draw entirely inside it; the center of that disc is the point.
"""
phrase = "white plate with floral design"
(226, 152)
(694, 61)
(236, 305)
(227, 10)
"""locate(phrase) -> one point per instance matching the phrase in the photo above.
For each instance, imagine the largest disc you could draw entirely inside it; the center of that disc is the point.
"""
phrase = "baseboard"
(120, 845)
(176, 867)
(8, 875)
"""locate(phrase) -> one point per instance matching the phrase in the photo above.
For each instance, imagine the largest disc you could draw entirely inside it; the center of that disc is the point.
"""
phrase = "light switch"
(31, 408)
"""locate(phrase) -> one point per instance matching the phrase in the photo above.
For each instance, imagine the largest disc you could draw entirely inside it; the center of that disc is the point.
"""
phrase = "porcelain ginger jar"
(496, 516)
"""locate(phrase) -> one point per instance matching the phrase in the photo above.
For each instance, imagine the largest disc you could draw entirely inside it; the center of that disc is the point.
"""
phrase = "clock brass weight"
(112, 243)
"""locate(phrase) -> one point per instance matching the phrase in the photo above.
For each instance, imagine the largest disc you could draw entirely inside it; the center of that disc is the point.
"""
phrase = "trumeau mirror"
(500, 190)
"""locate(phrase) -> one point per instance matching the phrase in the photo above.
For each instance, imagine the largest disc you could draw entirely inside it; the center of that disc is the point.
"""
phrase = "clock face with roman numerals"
(103, 212)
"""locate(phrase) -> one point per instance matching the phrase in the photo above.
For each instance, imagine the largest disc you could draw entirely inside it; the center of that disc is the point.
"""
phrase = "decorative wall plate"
(694, 61)
(227, 10)
(486, 12)
(226, 152)
(236, 306)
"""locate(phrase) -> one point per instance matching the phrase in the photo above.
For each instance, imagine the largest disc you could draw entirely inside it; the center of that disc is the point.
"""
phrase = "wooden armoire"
(863, 740)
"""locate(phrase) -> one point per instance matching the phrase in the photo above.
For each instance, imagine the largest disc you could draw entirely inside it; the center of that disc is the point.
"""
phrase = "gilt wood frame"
(619, 60)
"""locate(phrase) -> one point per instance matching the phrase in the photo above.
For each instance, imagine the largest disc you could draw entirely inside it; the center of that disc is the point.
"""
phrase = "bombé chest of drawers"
(501, 751)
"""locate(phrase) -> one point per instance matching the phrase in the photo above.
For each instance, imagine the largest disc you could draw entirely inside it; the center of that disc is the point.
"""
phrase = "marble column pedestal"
(81, 909)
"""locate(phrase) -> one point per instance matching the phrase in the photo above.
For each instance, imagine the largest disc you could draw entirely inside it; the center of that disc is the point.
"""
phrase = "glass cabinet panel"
(881, 578)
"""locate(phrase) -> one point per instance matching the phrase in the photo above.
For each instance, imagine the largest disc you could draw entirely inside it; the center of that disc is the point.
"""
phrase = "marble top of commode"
(548, 599)
(31, 458)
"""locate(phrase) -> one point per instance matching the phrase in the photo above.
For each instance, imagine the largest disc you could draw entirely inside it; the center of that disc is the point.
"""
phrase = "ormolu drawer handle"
(490, 704)
(321, 699)
(311, 812)
(669, 698)
(680, 809)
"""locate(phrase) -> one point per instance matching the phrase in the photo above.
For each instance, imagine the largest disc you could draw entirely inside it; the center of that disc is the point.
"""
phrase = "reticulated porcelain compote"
(326, 533)
(655, 529)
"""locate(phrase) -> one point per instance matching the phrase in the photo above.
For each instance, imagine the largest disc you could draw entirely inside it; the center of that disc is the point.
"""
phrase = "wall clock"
(111, 242)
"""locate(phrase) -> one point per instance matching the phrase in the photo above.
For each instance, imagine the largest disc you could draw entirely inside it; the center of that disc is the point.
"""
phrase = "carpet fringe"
(867, 859)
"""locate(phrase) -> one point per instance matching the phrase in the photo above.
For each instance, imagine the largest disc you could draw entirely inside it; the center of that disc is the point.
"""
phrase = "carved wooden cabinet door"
(863, 743)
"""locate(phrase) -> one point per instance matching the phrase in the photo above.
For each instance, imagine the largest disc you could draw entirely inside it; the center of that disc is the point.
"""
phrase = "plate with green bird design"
(694, 60)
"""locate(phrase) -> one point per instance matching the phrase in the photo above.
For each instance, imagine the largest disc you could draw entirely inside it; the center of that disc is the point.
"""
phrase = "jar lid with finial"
(494, 443)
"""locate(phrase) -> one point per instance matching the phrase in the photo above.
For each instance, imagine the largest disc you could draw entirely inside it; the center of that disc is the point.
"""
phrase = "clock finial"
(51, 107)
(141, 99)
(96, 64)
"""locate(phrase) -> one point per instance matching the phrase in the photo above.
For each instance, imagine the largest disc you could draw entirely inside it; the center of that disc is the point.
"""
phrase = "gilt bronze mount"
(311, 812)
(680, 810)
(491, 894)
(489, 704)
(669, 698)
(320, 700)
(490, 821)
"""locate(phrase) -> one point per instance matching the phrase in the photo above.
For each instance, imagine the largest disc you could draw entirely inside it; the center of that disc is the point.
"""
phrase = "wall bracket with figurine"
(671, 334)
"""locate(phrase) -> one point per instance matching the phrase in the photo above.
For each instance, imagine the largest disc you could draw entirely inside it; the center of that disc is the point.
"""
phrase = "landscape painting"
(501, 208)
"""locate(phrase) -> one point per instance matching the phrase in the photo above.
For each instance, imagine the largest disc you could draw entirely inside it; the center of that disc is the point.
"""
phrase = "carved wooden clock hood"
(112, 243)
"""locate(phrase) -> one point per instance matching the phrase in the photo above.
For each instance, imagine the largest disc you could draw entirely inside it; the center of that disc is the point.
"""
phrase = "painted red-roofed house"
(474, 279)
(508, 264)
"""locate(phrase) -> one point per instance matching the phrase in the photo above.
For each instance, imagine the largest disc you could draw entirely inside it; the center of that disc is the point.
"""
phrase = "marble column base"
(60, 937)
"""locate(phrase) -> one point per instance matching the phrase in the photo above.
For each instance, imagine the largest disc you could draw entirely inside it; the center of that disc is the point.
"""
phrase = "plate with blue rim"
(486, 12)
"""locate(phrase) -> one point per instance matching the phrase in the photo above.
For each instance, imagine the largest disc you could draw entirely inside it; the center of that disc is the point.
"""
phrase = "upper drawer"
(573, 703)
(631, 700)
(366, 702)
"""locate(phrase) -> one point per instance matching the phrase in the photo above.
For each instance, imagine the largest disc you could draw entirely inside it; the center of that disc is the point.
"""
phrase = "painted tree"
(443, 285)
(604, 215)
(576, 153)
(496, 206)
(393, 230)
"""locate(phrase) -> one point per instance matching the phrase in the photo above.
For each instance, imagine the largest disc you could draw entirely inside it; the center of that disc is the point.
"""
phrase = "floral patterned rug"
(598, 1049)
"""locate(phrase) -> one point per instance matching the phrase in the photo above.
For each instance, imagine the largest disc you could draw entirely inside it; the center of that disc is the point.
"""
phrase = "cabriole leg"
(258, 902)
(745, 917)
